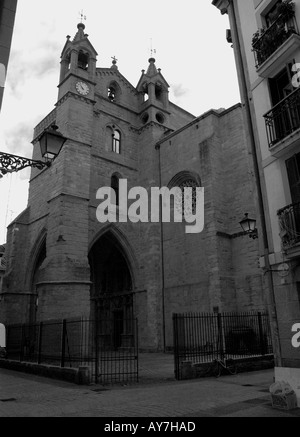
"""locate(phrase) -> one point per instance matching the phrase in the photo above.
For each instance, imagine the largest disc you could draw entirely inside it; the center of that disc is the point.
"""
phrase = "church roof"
(152, 72)
(80, 33)
(79, 38)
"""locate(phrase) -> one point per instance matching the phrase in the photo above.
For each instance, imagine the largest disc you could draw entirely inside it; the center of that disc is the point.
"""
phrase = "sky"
(189, 44)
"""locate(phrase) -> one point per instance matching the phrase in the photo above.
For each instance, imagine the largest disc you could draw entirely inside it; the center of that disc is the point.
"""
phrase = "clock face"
(82, 88)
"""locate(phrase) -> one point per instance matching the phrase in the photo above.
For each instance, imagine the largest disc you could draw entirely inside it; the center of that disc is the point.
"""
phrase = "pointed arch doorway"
(112, 293)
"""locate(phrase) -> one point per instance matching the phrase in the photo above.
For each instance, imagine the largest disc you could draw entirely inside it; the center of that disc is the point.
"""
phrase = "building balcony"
(267, 42)
(283, 119)
(289, 220)
(2, 263)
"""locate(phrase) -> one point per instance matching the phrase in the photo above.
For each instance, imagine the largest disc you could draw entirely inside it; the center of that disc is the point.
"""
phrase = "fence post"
(40, 343)
(96, 349)
(221, 336)
(175, 339)
(261, 333)
(63, 343)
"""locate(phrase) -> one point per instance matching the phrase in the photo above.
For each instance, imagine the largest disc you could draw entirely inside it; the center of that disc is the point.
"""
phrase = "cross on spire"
(152, 50)
(115, 60)
(82, 16)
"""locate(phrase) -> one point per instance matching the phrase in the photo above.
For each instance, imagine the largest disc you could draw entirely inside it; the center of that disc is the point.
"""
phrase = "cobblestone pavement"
(157, 395)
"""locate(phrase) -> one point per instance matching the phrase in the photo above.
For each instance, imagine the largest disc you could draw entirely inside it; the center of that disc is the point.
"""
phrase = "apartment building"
(7, 20)
(266, 41)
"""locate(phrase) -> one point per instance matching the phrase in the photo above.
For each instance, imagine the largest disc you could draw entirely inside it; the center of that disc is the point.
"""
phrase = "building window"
(145, 118)
(271, 16)
(160, 118)
(293, 171)
(114, 92)
(158, 91)
(281, 85)
(186, 179)
(189, 207)
(116, 142)
(145, 92)
(115, 187)
(83, 60)
(111, 94)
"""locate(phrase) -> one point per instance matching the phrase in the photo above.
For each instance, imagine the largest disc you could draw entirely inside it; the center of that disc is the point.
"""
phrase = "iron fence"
(105, 347)
(201, 338)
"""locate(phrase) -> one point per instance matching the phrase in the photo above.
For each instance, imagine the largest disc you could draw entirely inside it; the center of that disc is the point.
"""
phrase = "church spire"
(80, 35)
(152, 70)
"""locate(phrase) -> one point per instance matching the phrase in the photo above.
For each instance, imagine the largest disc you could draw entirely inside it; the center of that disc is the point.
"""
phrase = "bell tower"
(155, 89)
(78, 65)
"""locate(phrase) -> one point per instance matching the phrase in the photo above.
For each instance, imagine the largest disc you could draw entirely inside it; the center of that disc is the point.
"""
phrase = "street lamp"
(51, 142)
(249, 226)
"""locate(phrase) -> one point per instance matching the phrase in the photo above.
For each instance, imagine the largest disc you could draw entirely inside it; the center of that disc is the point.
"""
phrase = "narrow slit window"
(116, 142)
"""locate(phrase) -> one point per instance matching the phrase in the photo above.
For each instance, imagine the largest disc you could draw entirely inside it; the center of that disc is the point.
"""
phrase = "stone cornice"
(68, 195)
(77, 77)
(98, 111)
(153, 124)
(114, 162)
(76, 97)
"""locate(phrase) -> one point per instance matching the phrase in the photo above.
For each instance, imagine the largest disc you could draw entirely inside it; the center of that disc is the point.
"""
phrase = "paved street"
(157, 395)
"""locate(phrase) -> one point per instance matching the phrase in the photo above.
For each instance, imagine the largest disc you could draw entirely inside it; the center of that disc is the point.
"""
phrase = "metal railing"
(273, 37)
(289, 220)
(3, 263)
(201, 338)
(283, 118)
(102, 346)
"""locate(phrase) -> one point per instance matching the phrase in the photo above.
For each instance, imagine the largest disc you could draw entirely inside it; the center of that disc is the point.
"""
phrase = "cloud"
(178, 90)
(37, 63)
(18, 139)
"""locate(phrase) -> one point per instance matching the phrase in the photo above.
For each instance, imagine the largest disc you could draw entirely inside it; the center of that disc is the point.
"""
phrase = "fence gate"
(201, 338)
(116, 350)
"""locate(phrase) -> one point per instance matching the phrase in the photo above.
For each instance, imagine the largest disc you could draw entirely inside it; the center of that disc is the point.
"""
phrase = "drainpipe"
(250, 125)
(157, 147)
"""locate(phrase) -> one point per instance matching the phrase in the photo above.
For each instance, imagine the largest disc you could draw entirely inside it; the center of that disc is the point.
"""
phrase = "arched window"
(145, 91)
(184, 180)
(114, 92)
(116, 141)
(115, 187)
(111, 94)
(83, 60)
(188, 207)
(158, 91)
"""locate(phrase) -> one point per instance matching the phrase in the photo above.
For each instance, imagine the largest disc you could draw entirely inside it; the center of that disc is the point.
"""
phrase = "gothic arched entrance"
(111, 293)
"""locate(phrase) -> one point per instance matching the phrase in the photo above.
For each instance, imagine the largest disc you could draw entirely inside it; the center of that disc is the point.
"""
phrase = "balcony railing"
(2, 263)
(289, 219)
(283, 118)
(273, 37)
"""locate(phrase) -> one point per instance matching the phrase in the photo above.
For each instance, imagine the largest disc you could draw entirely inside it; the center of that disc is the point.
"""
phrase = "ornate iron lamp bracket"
(13, 163)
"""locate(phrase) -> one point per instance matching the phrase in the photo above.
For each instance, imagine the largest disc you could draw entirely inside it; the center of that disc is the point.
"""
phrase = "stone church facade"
(63, 263)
